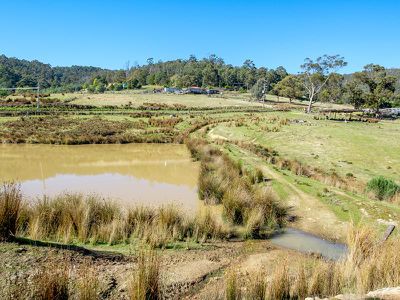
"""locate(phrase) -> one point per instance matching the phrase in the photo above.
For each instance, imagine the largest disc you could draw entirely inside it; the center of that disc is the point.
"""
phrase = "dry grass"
(244, 201)
(92, 130)
(71, 218)
(279, 286)
(232, 289)
(258, 287)
(145, 282)
(369, 265)
(10, 208)
(87, 285)
(298, 168)
(51, 283)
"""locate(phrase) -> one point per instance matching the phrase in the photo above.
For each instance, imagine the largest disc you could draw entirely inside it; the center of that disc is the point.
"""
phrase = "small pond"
(148, 174)
(307, 243)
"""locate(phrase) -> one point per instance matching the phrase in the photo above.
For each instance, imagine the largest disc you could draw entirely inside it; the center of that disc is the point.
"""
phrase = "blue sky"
(270, 32)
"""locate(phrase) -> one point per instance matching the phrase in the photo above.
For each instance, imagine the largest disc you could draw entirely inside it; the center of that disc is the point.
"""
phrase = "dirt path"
(312, 215)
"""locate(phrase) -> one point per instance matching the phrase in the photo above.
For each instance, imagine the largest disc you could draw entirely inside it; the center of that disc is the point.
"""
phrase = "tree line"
(319, 79)
(207, 72)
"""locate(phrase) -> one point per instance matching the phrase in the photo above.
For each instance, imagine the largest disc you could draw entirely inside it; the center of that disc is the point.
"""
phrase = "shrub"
(383, 188)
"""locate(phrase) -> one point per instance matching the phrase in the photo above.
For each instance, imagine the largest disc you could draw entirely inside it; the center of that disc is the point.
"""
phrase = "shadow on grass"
(113, 256)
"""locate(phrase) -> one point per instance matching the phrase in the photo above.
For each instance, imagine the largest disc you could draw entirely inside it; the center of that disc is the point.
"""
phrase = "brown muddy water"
(148, 174)
(307, 243)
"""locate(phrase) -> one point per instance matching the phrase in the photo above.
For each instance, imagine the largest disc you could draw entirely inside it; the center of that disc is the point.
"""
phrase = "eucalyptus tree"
(290, 87)
(377, 84)
(354, 93)
(258, 90)
(316, 74)
(333, 90)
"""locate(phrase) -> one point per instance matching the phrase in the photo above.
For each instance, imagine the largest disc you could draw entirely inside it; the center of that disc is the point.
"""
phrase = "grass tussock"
(258, 287)
(51, 283)
(369, 265)
(87, 285)
(10, 208)
(232, 288)
(145, 282)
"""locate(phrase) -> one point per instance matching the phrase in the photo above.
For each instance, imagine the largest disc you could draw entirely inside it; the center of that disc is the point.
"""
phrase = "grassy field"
(250, 191)
(363, 149)
(139, 98)
(145, 95)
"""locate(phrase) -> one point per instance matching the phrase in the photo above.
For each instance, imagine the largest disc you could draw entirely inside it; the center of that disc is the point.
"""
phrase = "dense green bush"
(382, 187)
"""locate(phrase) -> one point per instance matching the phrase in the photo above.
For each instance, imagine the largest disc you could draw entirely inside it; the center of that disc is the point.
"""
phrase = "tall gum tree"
(377, 85)
(316, 74)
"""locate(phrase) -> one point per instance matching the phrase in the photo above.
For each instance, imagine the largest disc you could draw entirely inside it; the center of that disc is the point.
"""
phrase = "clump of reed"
(87, 284)
(69, 217)
(279, 286)
(258, 287)
(145, 281)
(10, 209)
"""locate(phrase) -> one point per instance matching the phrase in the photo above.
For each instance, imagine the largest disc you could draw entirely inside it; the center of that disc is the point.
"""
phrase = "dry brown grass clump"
(232, 289)
(87, 284)
(71, 217)
(10, 208)
(51, 283)
(55, 280)
(145, 282)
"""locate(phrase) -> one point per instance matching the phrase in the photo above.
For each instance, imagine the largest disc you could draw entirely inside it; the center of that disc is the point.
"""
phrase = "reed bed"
(74, 218)
(245, 202)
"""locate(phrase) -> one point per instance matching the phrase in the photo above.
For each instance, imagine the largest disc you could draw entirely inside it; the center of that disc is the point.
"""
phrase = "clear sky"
(270, 32)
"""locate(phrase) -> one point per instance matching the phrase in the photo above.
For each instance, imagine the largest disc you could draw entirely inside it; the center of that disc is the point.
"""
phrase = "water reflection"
(151, 174)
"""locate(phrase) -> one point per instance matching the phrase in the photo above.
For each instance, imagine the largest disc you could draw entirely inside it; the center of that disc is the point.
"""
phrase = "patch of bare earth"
(181, 270)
